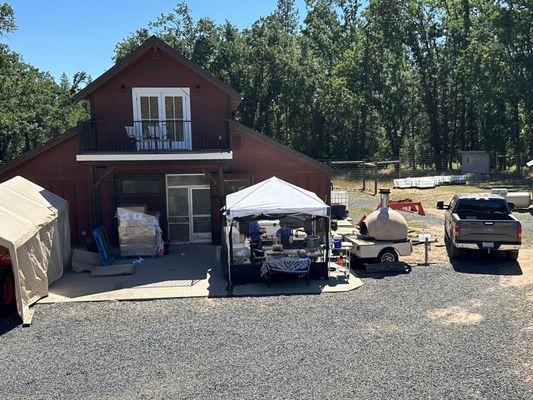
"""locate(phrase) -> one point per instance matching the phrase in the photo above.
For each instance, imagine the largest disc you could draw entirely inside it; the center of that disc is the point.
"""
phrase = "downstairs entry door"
(189, 211)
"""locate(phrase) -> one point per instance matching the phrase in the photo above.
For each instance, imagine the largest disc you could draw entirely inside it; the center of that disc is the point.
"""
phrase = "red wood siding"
(263, 160)
(58, 171)
(146, 168)
(113, 109)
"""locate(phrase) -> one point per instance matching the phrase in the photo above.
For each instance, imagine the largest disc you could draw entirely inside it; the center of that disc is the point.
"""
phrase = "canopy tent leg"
(230, 258)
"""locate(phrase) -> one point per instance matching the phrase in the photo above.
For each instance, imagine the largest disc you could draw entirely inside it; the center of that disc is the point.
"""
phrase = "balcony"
(153, 137)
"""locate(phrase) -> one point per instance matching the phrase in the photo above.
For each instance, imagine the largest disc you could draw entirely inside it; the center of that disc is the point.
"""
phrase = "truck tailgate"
(488, 231)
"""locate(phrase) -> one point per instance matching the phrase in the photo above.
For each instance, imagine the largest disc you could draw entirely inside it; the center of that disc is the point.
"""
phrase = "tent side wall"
(36, 232)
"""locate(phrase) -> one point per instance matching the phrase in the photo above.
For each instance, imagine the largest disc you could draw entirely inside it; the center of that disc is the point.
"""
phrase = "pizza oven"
(384, 224)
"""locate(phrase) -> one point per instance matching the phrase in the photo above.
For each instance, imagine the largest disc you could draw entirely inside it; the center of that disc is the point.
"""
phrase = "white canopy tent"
(274, 196)
(271, 197)
(34, 227)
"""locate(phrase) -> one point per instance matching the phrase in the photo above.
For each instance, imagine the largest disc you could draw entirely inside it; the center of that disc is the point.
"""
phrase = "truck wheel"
(387, 255)
(513, 255)
(453, 252)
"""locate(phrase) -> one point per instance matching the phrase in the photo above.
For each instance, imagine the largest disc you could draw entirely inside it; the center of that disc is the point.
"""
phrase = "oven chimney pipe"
(384, 197)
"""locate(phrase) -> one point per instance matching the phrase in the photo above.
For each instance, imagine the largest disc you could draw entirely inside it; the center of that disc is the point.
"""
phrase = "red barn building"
(161, 135)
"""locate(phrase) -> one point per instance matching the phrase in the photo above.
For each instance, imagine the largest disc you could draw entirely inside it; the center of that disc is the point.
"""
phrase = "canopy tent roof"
(35, 229)
(24, 208)
(274, 196)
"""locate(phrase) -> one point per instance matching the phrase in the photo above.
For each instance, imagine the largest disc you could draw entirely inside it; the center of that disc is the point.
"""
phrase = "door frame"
(189, 188)
(160, 93)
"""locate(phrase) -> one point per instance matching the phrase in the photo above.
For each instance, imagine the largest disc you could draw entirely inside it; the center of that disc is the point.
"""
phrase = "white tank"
(384, 223)
(520, 199)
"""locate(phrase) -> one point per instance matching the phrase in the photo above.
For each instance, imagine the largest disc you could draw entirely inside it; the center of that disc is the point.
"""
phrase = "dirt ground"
(362, 203)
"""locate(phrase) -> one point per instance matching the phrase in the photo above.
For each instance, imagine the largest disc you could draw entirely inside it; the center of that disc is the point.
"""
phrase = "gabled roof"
(268, 140)
(134, 56)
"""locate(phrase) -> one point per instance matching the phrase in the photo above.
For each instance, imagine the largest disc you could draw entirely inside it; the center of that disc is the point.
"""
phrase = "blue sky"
(77, 35)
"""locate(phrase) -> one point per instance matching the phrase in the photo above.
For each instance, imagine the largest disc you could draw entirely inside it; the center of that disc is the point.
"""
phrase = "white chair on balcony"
(135, 133)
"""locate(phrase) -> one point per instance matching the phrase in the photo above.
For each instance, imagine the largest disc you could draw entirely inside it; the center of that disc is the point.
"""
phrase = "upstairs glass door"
(162, 119)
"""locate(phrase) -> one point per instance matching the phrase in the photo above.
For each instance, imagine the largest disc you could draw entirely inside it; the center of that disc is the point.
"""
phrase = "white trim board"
(185, 156)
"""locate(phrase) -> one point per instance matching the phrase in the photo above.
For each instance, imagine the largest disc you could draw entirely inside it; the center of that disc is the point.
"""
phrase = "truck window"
(486, 208)
(452, 203)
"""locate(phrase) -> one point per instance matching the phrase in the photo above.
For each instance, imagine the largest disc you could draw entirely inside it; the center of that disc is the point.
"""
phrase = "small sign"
(423, 236)
(137, 216)
(487, 245)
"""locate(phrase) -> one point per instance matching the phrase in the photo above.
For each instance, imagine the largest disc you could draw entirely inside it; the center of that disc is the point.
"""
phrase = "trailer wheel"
(387, 255)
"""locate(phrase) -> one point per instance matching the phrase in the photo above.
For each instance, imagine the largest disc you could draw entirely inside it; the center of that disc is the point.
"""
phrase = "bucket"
(337, 241)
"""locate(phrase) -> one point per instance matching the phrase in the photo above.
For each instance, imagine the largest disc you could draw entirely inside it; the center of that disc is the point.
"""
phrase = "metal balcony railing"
(153, 136)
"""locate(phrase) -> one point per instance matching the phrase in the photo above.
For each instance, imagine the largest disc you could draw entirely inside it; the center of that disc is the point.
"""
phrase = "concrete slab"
(336, 284)
(189, 271)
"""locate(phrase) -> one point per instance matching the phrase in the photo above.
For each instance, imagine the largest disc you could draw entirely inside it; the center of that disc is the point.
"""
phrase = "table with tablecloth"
(290, 265)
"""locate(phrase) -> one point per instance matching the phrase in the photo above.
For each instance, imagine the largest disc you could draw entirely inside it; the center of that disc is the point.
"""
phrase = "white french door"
(188, 213)
(162, 118)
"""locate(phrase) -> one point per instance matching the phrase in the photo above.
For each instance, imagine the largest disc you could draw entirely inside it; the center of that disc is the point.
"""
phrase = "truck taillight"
(519, 232)
(457, 230)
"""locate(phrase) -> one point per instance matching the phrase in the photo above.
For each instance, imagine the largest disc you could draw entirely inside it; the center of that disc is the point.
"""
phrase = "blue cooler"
(337, 241)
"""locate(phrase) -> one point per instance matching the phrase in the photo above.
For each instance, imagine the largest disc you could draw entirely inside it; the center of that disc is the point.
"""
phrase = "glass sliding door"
(189, 208)
(178, 214)
(201, 214)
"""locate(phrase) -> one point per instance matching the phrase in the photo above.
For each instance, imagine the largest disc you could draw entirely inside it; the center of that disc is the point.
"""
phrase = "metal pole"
(230, 261)
(375, 178)
(426, 251)
(364, 177)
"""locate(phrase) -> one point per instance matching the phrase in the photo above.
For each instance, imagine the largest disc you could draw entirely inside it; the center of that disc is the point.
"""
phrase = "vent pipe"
(384, 197)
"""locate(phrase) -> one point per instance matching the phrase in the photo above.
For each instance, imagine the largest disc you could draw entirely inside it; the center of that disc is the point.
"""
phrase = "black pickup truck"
(481, 222)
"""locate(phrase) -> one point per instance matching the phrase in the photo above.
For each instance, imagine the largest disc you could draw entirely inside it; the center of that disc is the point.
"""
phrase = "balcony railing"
(153, 136)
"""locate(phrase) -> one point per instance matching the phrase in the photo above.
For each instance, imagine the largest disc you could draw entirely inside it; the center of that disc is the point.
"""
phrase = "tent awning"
(274, 196)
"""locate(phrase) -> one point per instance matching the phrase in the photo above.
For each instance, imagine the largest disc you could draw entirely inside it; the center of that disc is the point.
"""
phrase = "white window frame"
(160, 93)
(193, 238)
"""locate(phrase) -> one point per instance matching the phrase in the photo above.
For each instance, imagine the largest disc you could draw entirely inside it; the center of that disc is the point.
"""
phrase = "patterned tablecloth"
(285, 264)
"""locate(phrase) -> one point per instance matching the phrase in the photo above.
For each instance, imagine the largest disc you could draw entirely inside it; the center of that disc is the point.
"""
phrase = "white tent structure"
(34, 227)
(274, 196)
(271, 197)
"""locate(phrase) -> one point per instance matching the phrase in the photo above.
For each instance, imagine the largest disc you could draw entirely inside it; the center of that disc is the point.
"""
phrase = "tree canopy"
(392, 78)
(33, 107)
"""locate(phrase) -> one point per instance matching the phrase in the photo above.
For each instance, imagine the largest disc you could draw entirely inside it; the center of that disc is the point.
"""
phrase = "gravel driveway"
(433, 333)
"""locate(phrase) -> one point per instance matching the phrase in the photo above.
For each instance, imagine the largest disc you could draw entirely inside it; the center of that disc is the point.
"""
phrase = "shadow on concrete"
(486, 264)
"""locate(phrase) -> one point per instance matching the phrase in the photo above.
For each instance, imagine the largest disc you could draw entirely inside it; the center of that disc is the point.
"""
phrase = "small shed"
(35, 229)
(476, 162)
